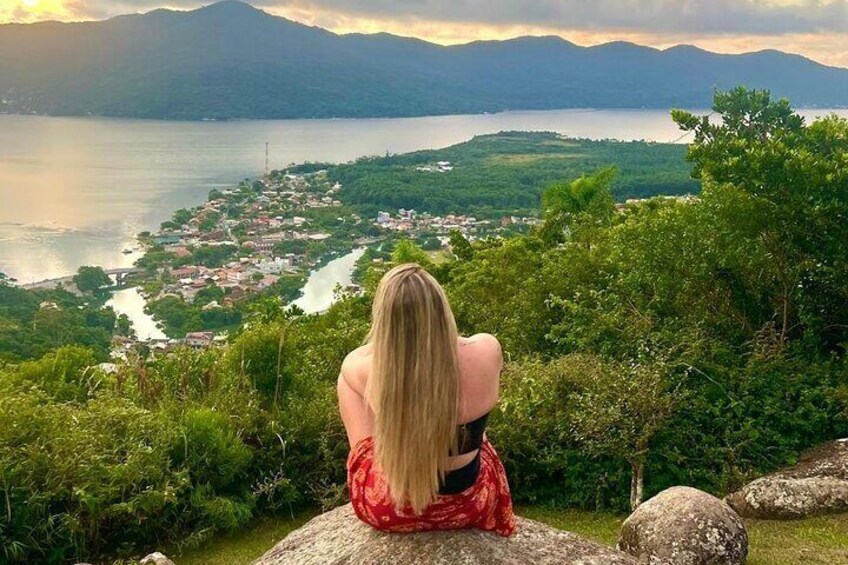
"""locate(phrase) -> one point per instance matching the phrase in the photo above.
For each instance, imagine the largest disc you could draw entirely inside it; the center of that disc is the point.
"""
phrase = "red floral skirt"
(486, 505)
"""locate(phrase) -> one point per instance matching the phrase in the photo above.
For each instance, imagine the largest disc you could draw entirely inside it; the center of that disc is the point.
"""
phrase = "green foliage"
(214, 256)
(460, 246)
(657, 343)
(32, 322)
(65, 374)
(578, 209)
(180, 317)
(407, 252)
(505, 173)
(90, 279)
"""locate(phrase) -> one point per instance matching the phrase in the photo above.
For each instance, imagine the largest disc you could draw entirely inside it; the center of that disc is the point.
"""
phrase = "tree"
(181, 216)
(795, 178)
(618, 410)
(90, 279)
(460, 246)
(579, 208)
(407, 252)
(123, 326)
(431, 243)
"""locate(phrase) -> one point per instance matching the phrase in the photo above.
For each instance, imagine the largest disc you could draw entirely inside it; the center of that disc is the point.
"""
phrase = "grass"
(525, 158)
(243, 546)
(814, 541)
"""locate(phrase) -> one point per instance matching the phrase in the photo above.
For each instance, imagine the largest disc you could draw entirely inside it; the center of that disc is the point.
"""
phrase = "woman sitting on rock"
(414, 400)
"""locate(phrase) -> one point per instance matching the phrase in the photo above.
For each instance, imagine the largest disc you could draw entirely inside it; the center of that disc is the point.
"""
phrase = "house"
(273, 266)
(199, 340)
(267, 282)
(183, 272)
(169, 238)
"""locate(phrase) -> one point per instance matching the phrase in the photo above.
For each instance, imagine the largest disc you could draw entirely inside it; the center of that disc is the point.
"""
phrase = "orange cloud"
(34, 10)
(827, 47)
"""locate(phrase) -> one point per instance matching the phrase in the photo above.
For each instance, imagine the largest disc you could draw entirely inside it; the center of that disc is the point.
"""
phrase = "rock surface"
(338, 537)
(685, 526)
(156, 558)
(818, 484)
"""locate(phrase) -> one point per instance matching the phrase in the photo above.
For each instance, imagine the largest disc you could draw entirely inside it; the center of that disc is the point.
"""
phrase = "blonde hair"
(413, 387)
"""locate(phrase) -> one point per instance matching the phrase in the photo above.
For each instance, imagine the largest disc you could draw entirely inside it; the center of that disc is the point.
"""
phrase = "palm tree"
(582, 203)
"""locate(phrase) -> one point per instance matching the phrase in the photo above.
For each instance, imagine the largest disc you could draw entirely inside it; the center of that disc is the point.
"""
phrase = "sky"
(815, 28)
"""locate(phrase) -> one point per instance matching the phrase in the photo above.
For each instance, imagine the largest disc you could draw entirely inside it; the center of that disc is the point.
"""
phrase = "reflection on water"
(318, 290)
(76, 191)
(128, 301)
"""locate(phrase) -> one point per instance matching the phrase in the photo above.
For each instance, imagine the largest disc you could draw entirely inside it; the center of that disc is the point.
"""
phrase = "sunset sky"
(815, 28)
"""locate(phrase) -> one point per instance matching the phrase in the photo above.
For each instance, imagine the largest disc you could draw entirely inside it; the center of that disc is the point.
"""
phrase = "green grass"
(243, 546)
(599, 526)
(822, 540)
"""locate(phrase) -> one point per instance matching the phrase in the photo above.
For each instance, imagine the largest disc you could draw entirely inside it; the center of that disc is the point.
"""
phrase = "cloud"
(757, 17)
(767, 17)
(816, 28)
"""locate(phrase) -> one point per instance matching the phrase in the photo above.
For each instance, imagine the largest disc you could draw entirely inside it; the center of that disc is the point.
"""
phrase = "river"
(130, 302)
(76, 191)
(318, 292)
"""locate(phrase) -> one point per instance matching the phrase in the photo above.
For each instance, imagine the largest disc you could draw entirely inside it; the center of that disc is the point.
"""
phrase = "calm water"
(75, 191)
(128, 301)
(318, 295)
(318, 292)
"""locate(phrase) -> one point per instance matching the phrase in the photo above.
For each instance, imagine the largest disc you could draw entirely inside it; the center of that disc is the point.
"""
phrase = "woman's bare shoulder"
(480, 362)
(483, 349)
(355, 368)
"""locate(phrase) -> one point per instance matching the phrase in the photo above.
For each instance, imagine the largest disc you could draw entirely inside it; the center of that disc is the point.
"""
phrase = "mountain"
(230, 61)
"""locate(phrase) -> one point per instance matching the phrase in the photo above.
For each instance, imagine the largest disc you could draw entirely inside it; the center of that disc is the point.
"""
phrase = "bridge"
(119, 276)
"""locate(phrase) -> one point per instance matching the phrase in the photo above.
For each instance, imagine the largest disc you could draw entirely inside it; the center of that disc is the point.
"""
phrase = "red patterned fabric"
(486, 505)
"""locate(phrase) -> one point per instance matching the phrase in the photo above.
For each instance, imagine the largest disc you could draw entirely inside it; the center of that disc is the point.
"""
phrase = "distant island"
(231, 61)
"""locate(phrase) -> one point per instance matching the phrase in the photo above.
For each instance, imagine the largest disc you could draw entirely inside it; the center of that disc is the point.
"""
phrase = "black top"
(470, 437)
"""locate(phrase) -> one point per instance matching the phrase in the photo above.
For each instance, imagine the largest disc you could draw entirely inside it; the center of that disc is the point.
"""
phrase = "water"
(318, 292)
(75, 191)
(128, 301)
(318, 295)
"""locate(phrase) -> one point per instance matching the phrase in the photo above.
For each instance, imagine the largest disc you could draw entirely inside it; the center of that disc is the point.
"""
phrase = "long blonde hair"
(413, 386)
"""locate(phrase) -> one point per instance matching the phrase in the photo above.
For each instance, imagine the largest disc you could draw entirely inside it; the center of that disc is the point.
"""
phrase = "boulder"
(817, 484)
(338, 537)
(684, 526)
(156, 558)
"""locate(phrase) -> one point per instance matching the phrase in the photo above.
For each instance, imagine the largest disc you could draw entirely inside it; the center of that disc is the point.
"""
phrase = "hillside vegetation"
(697, 342)
(506, 173)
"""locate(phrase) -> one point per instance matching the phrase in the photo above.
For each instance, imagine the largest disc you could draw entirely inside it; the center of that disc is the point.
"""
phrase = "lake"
(76, 191)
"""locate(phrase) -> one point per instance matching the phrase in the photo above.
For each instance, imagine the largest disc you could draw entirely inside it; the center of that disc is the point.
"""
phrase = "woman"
(414, 400)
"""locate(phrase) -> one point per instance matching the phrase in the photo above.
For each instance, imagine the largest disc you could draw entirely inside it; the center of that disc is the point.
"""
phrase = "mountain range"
(232, 61)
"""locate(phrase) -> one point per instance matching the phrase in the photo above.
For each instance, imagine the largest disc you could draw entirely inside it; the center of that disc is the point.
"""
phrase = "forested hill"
(229, 61)
(505, 173)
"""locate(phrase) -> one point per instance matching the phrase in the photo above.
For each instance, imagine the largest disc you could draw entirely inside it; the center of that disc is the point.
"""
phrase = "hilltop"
(232, 61)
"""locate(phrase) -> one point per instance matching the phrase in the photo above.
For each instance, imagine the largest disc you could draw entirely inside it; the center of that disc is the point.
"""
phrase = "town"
(206, 267)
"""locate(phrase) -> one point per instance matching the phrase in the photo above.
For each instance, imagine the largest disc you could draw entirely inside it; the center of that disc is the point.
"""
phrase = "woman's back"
(480, 363)
(415, 401)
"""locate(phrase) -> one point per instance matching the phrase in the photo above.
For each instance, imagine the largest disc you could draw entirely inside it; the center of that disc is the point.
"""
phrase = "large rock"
(338, 537)
(818, 484)
(156, 558)
(684, 526)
